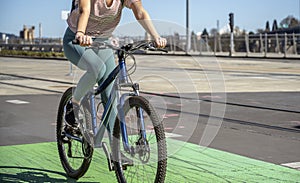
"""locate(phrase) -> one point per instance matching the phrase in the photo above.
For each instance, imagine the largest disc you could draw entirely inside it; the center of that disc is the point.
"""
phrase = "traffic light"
(231, 21)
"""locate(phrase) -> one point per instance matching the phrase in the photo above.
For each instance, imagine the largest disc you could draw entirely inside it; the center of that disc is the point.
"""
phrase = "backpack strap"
(73, 5)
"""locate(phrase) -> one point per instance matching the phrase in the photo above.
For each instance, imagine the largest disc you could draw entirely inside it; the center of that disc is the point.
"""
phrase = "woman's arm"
(84, 9)
(144, 19)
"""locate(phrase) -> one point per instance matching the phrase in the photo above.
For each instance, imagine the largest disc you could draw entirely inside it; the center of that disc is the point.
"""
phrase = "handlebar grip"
(154, 48)
(75, 41)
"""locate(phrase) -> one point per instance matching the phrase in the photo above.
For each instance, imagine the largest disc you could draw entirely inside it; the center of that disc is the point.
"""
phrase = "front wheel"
(146, 158)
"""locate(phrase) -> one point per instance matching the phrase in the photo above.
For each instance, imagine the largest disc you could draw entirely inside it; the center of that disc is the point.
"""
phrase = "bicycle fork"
(142, 142)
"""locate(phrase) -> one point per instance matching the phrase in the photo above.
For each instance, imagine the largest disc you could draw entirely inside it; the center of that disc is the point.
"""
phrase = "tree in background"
(267, 27)
(275, 26)
(204, 33)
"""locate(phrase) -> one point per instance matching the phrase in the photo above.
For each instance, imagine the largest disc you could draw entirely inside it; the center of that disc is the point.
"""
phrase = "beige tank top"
(103, 19)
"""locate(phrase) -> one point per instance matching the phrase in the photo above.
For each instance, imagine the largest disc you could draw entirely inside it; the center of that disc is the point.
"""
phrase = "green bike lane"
(186, 163)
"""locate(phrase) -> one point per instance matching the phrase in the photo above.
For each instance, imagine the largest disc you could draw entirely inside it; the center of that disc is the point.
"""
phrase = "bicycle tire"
(80, 162)
(159, 162)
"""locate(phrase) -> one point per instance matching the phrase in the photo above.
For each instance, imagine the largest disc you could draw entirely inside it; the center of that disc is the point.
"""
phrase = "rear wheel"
(75, 155)
(146, 159)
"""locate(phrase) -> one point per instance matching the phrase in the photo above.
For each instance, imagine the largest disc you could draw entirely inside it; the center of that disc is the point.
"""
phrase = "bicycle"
(137, 139)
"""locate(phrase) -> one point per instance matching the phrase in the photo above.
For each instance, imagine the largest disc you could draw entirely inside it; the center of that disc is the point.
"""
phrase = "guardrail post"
(294, 44)
(277, 47)
(220, 45)
(285, 44)
(266, 44)
(200, 46)
(215, 44)
(247, 44)
(261, 43)
(206, 43)
(171, 43)
(194, 39)
(174, 44)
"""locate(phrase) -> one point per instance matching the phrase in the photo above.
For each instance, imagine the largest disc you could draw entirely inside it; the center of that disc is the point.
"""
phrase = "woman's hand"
(83, 39)
(160, 42)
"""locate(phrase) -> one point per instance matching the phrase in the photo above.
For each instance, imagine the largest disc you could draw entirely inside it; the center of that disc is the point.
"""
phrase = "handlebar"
(129, 48)
(151, 46)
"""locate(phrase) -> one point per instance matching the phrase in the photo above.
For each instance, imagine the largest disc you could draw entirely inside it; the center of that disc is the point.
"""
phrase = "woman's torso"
(103, 18)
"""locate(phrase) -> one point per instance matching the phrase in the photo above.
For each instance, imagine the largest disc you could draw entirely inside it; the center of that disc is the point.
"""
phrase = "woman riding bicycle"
(97, 19)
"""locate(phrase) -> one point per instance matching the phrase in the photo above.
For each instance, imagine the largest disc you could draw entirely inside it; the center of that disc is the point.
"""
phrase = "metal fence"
(246, 44)
(249, 44)
(262, 44)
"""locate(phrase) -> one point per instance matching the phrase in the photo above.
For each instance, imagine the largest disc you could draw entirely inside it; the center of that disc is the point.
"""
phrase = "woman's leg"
(110, 64)
(85, 59)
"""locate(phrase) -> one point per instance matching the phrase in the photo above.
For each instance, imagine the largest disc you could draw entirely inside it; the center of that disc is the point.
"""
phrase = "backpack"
(74, 6)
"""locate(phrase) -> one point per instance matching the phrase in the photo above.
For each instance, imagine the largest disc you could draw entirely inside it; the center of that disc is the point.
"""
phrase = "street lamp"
(187, 27)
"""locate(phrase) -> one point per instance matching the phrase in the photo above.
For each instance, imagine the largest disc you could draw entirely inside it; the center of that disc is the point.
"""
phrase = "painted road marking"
(211, 96)
(172, 135)
(165, 116)
(18, 102)
(295, 165)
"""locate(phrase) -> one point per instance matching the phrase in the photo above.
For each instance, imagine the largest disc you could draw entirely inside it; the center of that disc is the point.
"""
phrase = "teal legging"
(97, 64)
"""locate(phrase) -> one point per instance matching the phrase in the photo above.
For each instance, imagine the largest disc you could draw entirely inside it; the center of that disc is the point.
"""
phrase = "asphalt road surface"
(243, 106)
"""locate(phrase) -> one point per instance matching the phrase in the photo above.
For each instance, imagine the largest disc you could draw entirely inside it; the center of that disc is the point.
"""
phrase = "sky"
(169, 16)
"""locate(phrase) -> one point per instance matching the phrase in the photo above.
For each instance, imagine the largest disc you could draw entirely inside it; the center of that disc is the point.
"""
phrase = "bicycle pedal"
(108, 156)
(126, 162)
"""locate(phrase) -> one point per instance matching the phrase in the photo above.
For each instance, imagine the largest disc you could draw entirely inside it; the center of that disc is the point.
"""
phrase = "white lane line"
(18, 102)
(295, 165)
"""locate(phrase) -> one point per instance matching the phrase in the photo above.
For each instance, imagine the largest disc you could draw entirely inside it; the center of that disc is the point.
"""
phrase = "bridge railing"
(259, 44)
(246, 44)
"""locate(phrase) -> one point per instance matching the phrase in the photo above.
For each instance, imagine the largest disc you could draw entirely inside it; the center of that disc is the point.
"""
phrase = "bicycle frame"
(124, 110)
(122, 81)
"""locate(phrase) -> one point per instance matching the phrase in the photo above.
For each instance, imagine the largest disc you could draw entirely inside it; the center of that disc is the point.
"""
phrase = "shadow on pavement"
(28, 174)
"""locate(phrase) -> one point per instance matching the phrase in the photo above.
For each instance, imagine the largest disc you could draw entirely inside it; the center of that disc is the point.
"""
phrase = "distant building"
(292, 30)
(27, 34)
(5, 36)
